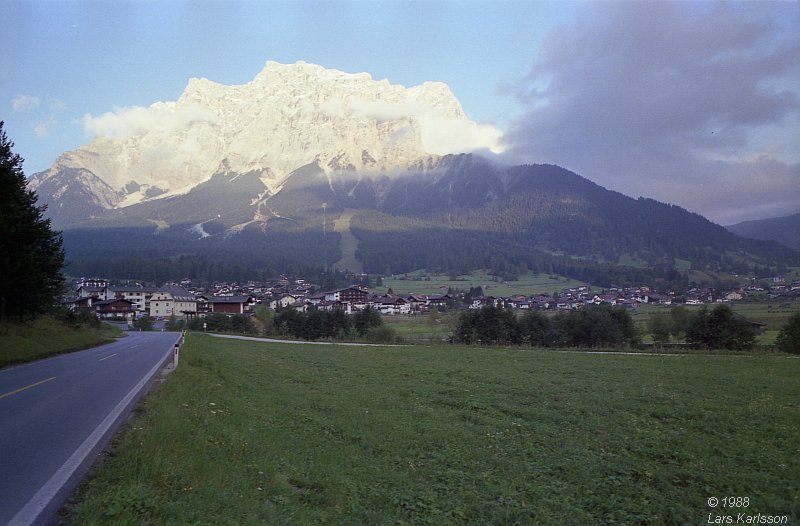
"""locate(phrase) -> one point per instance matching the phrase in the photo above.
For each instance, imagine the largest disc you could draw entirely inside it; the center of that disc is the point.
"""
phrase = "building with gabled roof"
(173, 300)
(231, 304)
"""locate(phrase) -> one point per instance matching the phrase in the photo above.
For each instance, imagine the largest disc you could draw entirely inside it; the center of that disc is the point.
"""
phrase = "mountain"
(304, 166)
(288, 116)
(785, 230)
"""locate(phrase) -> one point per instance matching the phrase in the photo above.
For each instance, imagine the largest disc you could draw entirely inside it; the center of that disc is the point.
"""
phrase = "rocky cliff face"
(287, 117)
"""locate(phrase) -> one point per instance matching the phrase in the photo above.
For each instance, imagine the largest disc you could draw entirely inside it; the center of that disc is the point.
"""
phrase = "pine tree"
(31, 253)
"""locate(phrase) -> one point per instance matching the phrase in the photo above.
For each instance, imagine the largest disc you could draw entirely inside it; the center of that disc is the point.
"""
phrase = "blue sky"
(646, 98)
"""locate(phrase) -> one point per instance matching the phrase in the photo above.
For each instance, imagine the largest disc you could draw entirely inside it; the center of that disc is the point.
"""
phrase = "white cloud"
(443, 135)
(440, 134)
(41, 130)
(161, 117)
(25, 103)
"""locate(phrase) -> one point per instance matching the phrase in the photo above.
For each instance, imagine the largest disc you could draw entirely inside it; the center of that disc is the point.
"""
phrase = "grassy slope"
(250, 433)
(43, 337)
(348, 245)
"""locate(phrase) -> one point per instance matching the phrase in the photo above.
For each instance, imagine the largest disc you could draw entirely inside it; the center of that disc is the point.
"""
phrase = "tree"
(533, 328)
(219, 322)
(366, 318)
(680, 318)
(719, 329)
(488, 325)
(789, 338)
(143, 323)
(31, 253)
(660, 327)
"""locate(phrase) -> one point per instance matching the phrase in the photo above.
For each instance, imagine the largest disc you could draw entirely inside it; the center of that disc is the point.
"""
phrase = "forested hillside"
(454, 215)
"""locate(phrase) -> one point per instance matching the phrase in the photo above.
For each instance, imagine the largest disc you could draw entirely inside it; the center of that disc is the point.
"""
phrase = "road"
(57, 414)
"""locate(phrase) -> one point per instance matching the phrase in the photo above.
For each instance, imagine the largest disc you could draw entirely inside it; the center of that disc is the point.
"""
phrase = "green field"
(774, 314)
(421, 328)
(430, 283)
(256, 433)
(43, 337)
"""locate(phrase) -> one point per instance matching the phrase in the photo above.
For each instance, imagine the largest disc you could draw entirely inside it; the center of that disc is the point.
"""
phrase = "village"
(184, 300)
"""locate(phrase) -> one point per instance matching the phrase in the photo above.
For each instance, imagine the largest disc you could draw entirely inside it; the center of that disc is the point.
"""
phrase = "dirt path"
(301, 342)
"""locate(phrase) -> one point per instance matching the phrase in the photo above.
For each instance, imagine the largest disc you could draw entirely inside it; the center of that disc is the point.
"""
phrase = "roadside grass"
(44, 336)
(421, 282)
(254, 433)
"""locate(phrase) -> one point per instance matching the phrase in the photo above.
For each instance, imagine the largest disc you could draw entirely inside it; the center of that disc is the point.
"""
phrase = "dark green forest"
(464, 214)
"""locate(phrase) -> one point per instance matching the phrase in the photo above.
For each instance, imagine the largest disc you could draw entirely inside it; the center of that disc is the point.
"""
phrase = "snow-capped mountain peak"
(287, 117)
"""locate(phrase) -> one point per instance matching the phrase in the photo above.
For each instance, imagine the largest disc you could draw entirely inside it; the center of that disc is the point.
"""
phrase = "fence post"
(175, 355)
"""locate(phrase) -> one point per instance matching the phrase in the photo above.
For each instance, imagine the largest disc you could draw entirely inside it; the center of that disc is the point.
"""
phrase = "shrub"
(789, 338)
(143, 323)
(382, 334)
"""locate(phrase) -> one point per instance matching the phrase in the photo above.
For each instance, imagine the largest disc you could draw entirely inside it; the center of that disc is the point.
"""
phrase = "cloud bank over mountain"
(287, 117)
(161, 117)
(673, 101)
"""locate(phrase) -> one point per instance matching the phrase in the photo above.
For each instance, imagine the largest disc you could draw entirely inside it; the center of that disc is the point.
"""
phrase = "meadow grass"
(44, 336)
(256, 433)
(420, 282)
(422, 328)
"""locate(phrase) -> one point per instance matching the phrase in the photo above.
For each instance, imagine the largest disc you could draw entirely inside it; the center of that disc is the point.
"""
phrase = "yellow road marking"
(27, 387)
(109, 356)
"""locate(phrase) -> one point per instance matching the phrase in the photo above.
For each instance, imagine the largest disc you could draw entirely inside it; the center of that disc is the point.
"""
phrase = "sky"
(691, 103)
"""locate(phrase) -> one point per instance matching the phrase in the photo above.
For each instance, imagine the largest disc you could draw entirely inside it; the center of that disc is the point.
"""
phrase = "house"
(231, 304)
(543, 302)
(415, 301)
(344, 306)
(316, 299)
(611, 299)
(758, 327)
(173, 300)
(657, 299)
(352, 294)
(88, 291)
(116, 308)
(391, 304)
(440, 300)
(282, 301)
(203, 306)
(486, 301)
(732, 296)
(300, 305)
(85, 302)
(140, 296)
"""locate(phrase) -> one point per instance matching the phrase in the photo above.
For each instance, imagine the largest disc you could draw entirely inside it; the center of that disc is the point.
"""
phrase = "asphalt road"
(57, 414)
